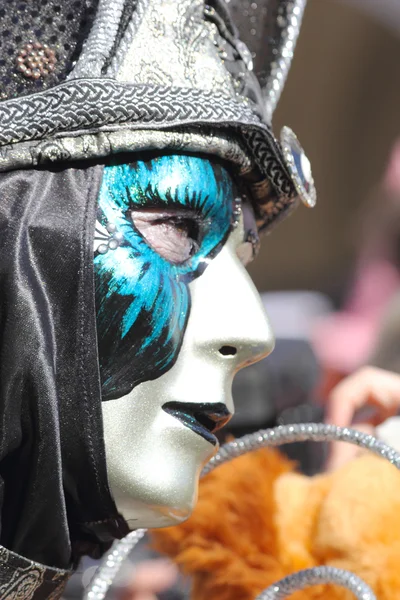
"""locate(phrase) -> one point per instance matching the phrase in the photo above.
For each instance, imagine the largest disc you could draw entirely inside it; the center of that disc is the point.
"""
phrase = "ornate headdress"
(95, 77)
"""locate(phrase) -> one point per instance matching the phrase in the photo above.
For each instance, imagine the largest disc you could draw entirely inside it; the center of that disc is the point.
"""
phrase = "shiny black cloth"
(54, 497)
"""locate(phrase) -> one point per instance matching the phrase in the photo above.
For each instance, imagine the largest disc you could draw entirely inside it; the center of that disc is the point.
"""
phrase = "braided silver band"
(100, 41)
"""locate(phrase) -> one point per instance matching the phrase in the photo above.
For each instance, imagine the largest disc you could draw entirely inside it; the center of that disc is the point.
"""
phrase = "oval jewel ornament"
(299, 167)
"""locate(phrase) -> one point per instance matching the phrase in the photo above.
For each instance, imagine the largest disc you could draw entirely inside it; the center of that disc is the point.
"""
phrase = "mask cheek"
(142, 311)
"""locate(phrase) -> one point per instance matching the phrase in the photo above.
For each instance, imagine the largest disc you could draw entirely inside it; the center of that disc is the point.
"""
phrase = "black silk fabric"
(54, 499)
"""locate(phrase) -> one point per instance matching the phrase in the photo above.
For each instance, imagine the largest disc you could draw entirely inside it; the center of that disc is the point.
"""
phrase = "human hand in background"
(148, 579)
(362, 400)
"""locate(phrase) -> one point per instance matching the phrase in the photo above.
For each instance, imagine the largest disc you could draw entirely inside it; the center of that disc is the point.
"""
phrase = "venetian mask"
(177, 317)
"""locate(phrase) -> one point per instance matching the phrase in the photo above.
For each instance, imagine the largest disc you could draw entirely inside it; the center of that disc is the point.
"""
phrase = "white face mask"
(159, 435)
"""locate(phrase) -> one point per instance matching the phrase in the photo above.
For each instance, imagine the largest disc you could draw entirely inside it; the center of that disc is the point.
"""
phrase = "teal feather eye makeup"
(159, 224)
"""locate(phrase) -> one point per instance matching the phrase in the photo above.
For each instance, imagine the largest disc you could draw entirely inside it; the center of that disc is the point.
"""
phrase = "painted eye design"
(173, 234)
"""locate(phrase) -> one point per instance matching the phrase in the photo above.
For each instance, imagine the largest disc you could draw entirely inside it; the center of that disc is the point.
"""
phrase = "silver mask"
(176, 360)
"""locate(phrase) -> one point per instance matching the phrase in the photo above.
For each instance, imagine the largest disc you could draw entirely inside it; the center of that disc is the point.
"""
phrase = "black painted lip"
(204, 418)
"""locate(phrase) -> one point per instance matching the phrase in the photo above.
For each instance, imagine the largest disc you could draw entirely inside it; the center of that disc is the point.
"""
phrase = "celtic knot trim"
(102, 103)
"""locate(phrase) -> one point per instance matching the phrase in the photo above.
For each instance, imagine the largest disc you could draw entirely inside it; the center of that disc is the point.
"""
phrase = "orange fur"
(257, 521)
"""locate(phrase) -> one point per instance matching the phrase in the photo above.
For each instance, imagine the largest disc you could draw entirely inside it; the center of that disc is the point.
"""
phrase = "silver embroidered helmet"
(97, 77)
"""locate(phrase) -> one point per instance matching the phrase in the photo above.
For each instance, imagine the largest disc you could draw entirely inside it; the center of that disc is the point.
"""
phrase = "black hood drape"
(54, 498)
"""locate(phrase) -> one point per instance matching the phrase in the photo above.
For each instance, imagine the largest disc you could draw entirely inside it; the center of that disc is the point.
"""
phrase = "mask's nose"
(232, 326)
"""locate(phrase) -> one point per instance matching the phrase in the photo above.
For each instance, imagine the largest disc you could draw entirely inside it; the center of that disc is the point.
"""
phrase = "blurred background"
(342, 98)
(330, 276)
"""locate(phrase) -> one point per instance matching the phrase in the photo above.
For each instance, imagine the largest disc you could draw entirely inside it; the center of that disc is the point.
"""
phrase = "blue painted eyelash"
(153, 198)
(142, 300)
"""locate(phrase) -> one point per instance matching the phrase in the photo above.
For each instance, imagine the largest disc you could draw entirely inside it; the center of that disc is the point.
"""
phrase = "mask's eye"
(173, 234)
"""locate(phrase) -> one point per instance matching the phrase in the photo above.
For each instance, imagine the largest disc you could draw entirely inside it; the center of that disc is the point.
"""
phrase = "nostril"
(228, 350)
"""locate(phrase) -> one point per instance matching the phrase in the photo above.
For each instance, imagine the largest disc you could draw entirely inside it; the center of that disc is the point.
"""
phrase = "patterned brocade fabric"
(23, 579)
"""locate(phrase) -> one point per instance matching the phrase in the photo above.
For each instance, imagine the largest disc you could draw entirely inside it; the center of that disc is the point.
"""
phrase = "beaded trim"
(290, 18)
(284, 434)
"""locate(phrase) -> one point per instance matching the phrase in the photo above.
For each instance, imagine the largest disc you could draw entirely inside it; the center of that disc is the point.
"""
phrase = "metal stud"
(299, 167)
(35, 60)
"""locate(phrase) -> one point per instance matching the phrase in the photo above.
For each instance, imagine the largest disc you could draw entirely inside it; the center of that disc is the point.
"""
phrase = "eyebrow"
(194, 199)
